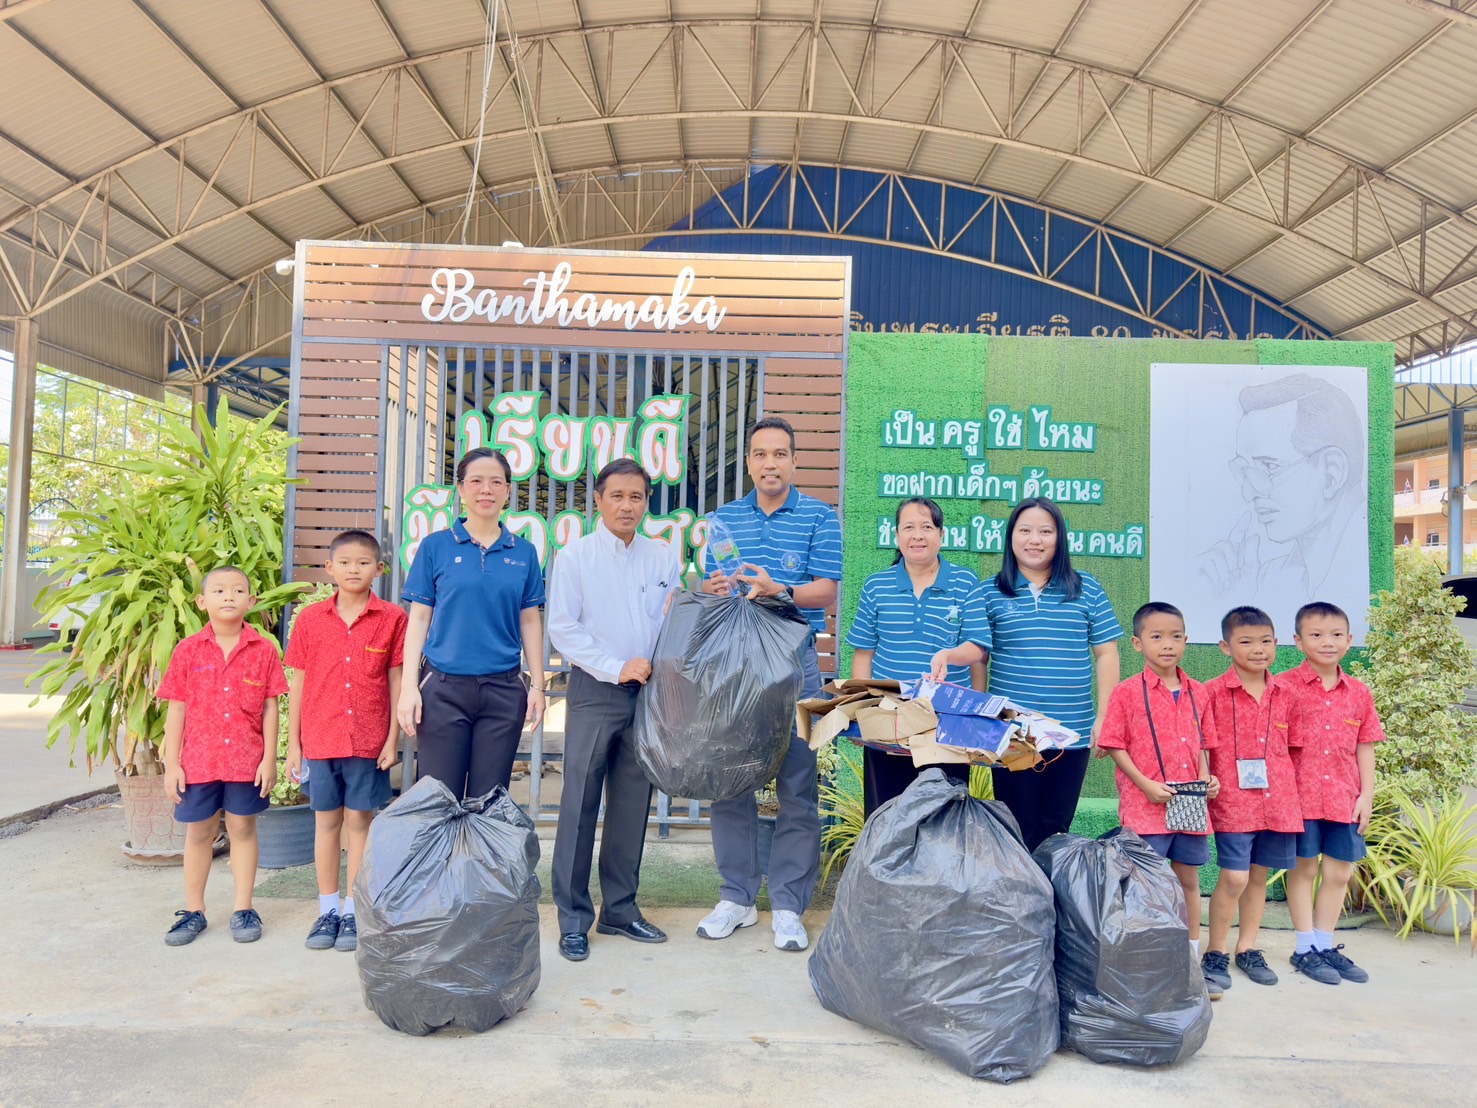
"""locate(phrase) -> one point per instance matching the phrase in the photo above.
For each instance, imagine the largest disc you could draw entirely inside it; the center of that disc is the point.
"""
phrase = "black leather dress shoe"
(574, 946)
(637, 929)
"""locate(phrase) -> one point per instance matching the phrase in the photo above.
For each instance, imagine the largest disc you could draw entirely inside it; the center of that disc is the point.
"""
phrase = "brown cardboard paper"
(915, 717)
(927, 751)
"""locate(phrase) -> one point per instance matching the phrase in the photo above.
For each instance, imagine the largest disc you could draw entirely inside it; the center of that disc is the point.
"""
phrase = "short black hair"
(1244, 616)
(771, 423)
(1154, 608)
(227, 568)
(356, 537)
(1315, 609)
(476, 456)
(627, 466)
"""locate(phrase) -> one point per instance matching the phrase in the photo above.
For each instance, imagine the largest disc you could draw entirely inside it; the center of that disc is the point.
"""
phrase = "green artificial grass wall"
(1100, 381)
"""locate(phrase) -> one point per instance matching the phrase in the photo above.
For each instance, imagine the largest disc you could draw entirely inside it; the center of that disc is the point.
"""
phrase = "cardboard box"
(957, 700)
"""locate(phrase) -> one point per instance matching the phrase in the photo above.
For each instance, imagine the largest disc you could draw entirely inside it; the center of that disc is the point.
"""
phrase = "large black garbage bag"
(714, 719)
(447, 904)
(1130, 989)
(942, 934)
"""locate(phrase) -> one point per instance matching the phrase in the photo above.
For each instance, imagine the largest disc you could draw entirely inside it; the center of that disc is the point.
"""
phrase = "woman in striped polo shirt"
(907, 613)
(1052, 636)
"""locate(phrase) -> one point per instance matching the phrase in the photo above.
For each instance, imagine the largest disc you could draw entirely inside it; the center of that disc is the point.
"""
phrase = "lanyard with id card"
(1251, 773)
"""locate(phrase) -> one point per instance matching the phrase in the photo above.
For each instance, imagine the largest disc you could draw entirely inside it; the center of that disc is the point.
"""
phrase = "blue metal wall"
(934, 257)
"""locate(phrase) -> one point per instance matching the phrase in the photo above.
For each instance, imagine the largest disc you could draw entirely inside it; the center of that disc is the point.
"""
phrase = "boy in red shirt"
(345, 654)
(1333, 729)
(220, 745)
(1157, 728)
(1257, 816)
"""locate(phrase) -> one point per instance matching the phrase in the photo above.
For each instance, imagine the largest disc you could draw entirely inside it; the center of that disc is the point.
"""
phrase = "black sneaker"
(186, 926)
(1345, 968)
(246, 926)
(348, 934)
(1310, 963)
(325, 932)
(1253, 963)
(1216, 966)
(1212, 987)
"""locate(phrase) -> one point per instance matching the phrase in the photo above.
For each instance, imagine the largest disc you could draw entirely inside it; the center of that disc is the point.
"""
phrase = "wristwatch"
(790, 592)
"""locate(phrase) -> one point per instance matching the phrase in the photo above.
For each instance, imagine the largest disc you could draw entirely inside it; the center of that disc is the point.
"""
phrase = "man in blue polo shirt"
(790, 543)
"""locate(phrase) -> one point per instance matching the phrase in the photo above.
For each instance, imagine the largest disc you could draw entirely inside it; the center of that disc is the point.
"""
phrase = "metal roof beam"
(1458, 11)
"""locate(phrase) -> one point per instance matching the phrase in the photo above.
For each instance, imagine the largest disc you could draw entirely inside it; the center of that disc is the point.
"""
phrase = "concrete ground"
(95, 1008)
(34, 777)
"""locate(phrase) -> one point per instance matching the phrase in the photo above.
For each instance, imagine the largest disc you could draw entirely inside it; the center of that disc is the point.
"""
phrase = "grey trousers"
(599, 753)
(795, 859)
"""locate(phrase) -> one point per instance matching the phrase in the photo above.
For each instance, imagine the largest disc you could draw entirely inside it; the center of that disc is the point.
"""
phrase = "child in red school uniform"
(220, 745)
(1257, 815)
(1157, 729)
(1333, 729)
(345, 654)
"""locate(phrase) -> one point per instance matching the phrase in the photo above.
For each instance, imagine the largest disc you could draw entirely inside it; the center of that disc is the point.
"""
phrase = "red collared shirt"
(346, 676)
(1253, 730)
(1126, 727)
(224, 699)
(1325, 729)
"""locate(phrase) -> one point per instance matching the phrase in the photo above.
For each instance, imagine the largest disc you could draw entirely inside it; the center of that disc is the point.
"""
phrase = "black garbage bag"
(1130, 989)
(714, 719)
(942, 934)
(447, 904)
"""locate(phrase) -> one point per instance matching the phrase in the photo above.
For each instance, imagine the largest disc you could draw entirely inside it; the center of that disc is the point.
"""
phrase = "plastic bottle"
(722, 548)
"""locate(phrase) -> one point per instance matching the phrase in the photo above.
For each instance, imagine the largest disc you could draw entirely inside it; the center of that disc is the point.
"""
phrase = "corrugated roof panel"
(1354, 42)
(56, 117)
(727, 47)
(1452, 160)
(718, 138)
(24, 181)
(1021, 172)
(598, 14)
(428, 27)
(584, 148)
(340, 36)
(1086, 191)
(634, 85)
(950, 159)
(237, 43)
(1037, 25)
(1120, 37)
(1153, 213)
(120, 44)
(1222, 42)
(1219, 239)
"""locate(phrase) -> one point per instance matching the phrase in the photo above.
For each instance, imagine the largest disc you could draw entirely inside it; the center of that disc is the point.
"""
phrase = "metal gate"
(426, 390)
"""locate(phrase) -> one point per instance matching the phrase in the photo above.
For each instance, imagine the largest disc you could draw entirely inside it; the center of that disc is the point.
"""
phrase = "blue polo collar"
(947, 570)
(792, 501)
(459, 533)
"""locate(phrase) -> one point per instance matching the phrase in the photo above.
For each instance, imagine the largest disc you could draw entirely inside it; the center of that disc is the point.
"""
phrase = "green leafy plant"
(982, 782)
(1422, 862)
(842, 809)
(208, 496)
(1418, 667)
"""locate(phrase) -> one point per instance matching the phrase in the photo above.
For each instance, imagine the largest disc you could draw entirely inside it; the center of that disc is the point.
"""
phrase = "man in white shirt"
(607, 597)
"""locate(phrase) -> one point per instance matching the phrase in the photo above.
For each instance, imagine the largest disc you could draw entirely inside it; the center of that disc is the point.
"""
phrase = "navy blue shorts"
(1240, 850)
(357, 784)
(204, 799)
(1341, 841)
(1188, 850)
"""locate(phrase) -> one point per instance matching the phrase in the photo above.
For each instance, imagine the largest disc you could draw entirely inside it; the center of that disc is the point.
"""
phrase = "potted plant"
(209, 496)
(1421, 870)
(285, 832)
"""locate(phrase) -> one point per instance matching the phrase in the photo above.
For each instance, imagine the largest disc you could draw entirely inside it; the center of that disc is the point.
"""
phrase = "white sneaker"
(789, 932)
(725, 919)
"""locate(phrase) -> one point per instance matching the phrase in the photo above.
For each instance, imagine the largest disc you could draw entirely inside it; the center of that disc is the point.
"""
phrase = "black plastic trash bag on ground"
(714, 719)
(1130, 989)
(942, 934)
(447, 904)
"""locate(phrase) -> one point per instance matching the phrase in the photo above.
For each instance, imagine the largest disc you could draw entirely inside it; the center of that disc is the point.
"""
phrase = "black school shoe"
(574, 946)
(1343, 966)
(186, 926)
(1253, 963)
(1310, 963)
(246, 926)
(1216, 966)
(348, 934)
(324, 935)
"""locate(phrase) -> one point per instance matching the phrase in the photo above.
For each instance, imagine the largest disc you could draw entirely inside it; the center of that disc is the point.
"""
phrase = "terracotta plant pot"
(285, 837)
(148, 817)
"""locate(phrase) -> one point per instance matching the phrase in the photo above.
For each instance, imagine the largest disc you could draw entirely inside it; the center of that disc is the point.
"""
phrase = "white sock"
(327, 902)
(1323, 940)
(1195, 947)
(1304, 941)
(348, 906)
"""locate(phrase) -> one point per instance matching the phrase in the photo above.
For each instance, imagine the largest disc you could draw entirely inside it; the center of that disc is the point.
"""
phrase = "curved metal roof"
(168, 151)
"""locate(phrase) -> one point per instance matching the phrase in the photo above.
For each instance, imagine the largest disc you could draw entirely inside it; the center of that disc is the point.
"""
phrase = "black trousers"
(1043, 800)
(599, 753)
(469, 730)
(885, 776)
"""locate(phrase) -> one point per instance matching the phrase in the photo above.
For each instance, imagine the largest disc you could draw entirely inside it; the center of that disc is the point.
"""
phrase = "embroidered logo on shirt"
(952, 615)
(458, 558)
(790, 561)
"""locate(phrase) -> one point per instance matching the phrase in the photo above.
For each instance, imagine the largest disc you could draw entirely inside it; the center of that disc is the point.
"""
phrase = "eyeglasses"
(1260, 476)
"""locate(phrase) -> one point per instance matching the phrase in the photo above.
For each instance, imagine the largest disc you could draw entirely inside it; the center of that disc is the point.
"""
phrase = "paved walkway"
(34, 776)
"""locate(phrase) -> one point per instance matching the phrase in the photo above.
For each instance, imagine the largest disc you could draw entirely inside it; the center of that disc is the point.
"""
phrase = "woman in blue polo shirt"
(1052, 635)
(474, 593)
(921, 605)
